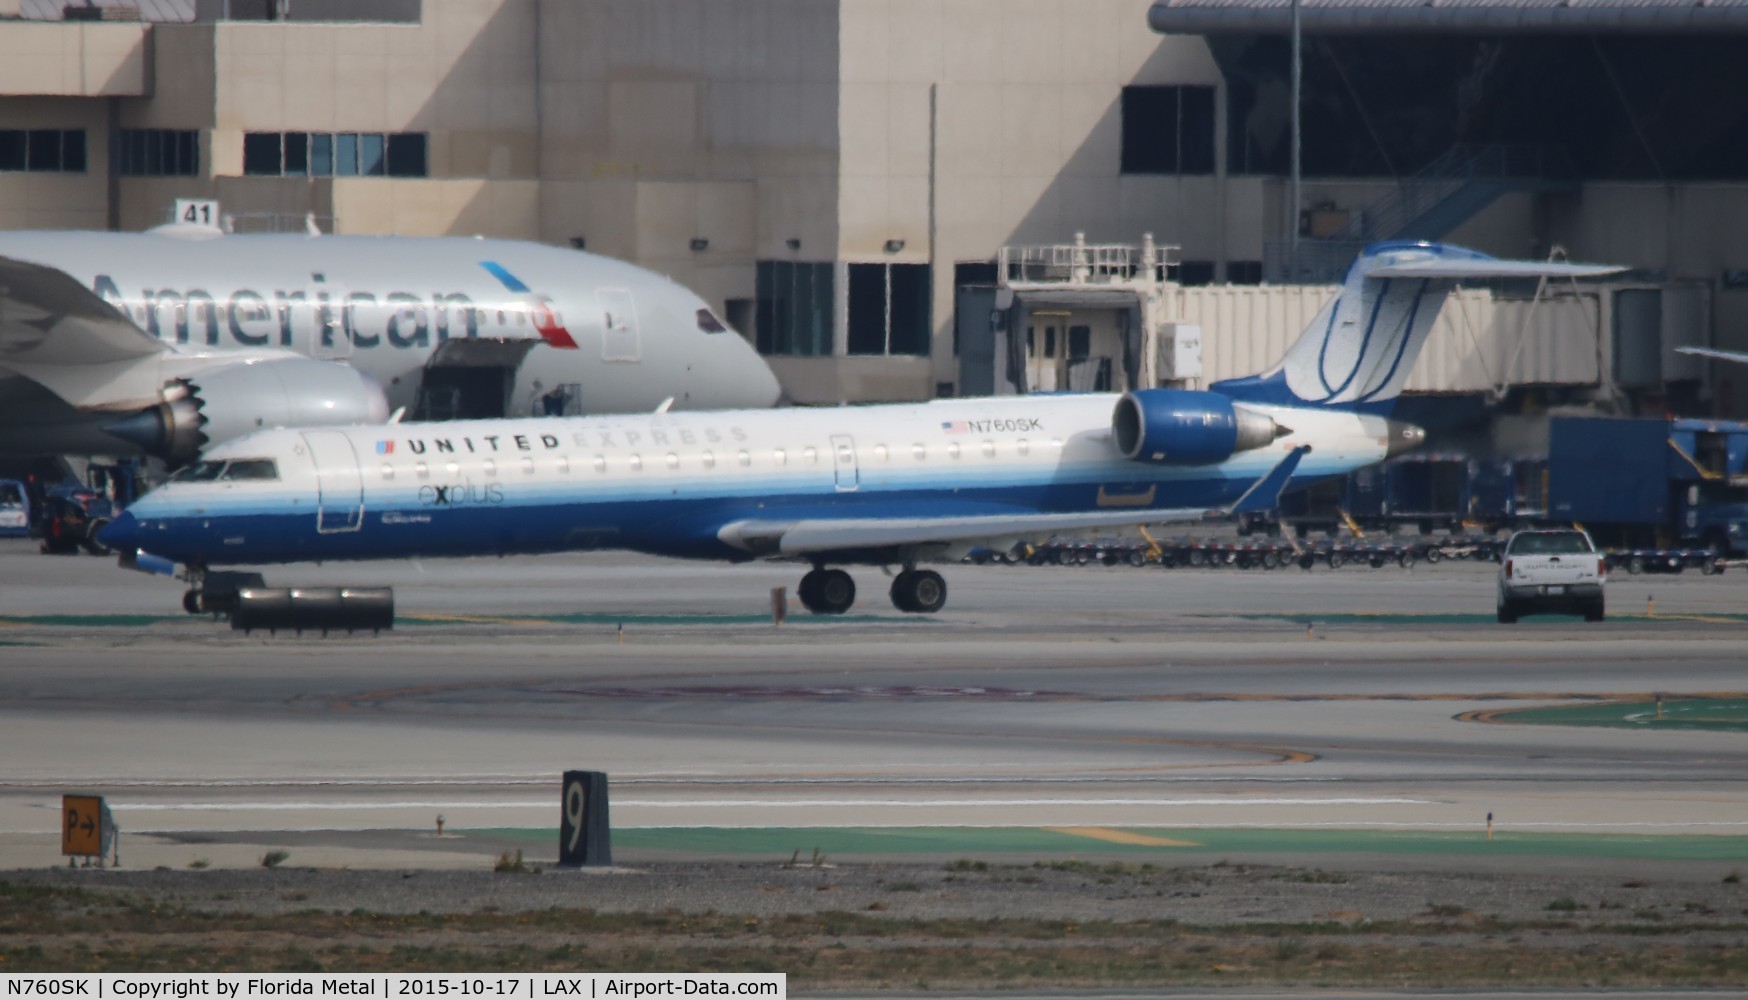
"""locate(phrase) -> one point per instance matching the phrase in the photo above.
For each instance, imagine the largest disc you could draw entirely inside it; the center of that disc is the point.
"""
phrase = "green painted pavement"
(780, 842)
(1413, 618)
(95, 621)
(413, 620)
(629, 620)
(1716, 714)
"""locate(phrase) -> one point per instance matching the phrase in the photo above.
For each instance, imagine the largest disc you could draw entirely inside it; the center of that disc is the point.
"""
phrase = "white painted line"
(623, 802)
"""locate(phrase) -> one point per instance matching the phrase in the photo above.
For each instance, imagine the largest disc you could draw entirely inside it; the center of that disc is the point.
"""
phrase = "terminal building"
(900, 199)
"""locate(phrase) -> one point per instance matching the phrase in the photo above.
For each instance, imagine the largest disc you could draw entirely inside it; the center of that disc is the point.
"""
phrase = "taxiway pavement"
(1090, 697)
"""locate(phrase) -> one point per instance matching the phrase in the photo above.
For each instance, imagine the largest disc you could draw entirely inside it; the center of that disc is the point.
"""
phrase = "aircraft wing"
(1712, 352)
(48, 318)
(813, 535)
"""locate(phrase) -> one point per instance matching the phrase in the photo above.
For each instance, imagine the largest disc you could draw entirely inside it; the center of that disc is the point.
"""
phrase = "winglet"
(1265, 493)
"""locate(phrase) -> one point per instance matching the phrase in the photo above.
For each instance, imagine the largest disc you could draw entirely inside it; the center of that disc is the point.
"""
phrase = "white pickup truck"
(1557, 571)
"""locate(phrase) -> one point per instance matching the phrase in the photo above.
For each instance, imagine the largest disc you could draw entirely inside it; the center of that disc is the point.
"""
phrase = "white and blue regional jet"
(890, 485)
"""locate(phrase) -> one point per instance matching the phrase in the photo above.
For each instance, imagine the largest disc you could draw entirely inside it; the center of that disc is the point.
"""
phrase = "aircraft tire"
(900, 592)
(807, 591)
(833, 592)
(919, 591)
(191, 602)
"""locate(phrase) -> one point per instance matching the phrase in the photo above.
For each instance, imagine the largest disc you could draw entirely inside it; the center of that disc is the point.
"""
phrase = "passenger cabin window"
(388, 471)
(490, 466)
(953, 450)
(528, 466)
(453, 468)
(564, 465)
(744, 459)
(1022, 446)
(422, 470)
(636, 463)
(600, 463)
(673, 460)
(709, 460)
(919, 452)
(989, 449)
(810, 455)
(247, 469)
(779, 456)
(880, 452)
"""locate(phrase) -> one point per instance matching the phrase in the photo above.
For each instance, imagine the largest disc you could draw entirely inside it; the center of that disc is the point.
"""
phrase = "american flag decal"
(385, 447)
(955, 426)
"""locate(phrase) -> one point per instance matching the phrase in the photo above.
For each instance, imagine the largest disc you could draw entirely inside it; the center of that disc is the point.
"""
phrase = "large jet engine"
(224, 402)
(1186, 427)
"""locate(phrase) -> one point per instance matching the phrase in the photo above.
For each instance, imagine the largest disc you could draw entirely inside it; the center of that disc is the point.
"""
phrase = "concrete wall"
(74, 60)
(999, 122)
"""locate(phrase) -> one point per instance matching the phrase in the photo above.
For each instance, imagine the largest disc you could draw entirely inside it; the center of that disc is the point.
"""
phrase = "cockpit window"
(200, 472)
(708, 322)
(250, 469)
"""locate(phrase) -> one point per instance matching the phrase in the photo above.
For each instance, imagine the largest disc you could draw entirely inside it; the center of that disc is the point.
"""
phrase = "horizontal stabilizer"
(1464, 269)
(1712, 352)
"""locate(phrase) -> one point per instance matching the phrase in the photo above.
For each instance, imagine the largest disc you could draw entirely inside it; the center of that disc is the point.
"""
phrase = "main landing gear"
(832, 591)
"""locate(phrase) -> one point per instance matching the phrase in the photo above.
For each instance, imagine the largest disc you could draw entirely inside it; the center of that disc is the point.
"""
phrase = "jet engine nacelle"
(230, 400)
(1185, 427)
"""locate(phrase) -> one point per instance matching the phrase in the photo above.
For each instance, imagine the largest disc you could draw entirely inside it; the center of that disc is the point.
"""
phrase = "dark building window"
(793, 307)
(335, 154)
(974, 272)
(1244, 272)
(1195, 272)
(889, 309)
(406, 154)
(1168, 130)
(43, 150)
(261, 154)
(157, 152)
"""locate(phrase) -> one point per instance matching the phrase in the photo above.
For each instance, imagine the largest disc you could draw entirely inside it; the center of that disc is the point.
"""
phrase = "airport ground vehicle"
(70, 518)
(1657, 495)
(15, 508)
(1556, 570)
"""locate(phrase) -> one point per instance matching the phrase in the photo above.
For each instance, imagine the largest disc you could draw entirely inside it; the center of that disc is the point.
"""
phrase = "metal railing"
(1085, 263)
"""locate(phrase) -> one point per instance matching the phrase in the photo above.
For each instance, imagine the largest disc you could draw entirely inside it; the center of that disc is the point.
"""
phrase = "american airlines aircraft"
(891, 485)
(172, 340)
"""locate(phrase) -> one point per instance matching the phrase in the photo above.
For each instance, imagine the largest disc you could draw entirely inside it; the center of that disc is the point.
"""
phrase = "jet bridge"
(1075, 317)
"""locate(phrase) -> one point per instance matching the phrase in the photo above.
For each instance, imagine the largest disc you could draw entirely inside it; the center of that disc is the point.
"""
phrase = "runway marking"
(756, 803)
(1120, 836)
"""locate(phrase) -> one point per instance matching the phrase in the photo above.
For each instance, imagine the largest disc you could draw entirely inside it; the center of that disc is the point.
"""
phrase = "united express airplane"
(890, 485)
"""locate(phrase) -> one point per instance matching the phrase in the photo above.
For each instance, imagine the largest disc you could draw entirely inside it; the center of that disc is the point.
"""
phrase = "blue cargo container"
(1609, 471)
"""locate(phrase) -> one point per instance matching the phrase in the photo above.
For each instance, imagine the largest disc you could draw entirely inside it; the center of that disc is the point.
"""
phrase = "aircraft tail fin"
(1358, 351)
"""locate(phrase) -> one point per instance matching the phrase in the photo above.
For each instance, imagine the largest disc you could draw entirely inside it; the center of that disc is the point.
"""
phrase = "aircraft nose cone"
(1403, 437)
(121, 534)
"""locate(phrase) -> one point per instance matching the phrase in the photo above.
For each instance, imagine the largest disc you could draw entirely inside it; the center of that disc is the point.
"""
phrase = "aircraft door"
(329, 339)
(619, 333)
(844, 467)
(339, 484)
